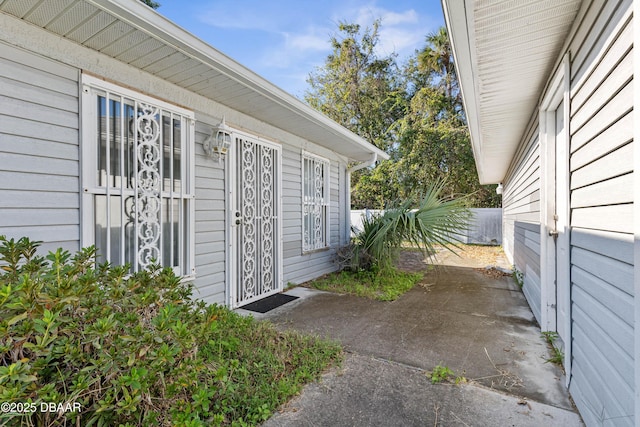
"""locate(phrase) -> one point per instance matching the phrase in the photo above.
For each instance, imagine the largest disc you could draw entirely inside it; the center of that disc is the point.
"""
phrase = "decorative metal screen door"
(255, 221)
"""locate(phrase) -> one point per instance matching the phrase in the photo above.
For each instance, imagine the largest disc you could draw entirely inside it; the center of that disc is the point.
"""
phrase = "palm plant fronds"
(436, 222)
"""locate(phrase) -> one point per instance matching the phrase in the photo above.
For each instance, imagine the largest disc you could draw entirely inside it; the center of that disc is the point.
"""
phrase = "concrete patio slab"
(477, 324)
(371, 392)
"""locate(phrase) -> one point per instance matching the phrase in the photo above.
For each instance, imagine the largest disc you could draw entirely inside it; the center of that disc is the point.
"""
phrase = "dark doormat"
(269, 303)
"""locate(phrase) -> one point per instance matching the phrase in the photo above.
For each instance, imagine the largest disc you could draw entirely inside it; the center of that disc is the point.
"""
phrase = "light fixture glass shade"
(217, 144)
(223, 141)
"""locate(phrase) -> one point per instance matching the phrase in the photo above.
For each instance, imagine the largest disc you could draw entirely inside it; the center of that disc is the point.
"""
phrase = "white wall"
(602, 197)
(39, 166)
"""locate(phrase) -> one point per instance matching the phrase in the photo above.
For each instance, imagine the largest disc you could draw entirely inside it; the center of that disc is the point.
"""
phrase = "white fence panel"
(485, 227)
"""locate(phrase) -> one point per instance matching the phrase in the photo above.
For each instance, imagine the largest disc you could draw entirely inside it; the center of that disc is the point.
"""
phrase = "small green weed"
(557, 355)
(440, 373)
(387, 284)
(518, 276)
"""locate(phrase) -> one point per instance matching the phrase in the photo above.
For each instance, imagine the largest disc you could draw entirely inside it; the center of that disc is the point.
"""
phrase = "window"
(315, 202)
(137, 178)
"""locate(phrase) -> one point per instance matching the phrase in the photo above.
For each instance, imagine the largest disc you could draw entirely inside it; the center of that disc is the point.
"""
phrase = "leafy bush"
(134, 349)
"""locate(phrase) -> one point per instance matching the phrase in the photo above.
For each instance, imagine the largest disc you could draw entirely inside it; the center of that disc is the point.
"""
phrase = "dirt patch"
(493, 272)
(412, 261)
(490, 259)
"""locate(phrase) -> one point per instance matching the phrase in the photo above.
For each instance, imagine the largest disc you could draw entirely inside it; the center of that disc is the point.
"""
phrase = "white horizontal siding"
(619, 134)
(334, 208)
(615, 190)
(618, 52)
(309, 266)
(521, 217)
(594, 377)
(291, 203)
(602, 196)
(618, 218)
(604, 94)
(39, 155)
(210, 221)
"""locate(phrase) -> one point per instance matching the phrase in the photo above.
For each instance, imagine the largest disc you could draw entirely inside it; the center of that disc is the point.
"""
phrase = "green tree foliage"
(413, 112)
(365, 93)
(152, 4)
(435, 142)
(357, 88)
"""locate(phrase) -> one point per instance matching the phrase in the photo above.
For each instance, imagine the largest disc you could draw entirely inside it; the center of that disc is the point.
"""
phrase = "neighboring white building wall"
(39, 166)
(602, 197)
(521, 217)
(602, 201)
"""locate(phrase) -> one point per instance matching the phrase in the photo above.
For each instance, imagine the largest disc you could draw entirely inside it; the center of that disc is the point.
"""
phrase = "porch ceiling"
(131, 32)
(504, 53)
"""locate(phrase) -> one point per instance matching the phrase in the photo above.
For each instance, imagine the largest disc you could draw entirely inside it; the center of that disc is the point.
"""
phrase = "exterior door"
(555, 256)
(561, 219)
(255, 220)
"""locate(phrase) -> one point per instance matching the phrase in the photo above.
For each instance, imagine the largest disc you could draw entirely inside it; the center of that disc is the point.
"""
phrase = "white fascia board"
(146, 19)
(458, 16)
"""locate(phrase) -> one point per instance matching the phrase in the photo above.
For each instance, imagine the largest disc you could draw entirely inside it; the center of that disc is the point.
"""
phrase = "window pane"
(185, 236)
(115, 230)
(130, 141)
(166, 153)
(177, 156)
(114, 142)
(170, 233)
(129, 231)
(101, 227)
(175, 232)
(102, 141)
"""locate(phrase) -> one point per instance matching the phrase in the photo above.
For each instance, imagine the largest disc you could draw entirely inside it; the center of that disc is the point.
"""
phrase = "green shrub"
(135, 349)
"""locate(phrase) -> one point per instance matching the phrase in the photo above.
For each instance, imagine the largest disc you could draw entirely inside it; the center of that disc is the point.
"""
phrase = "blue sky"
(285, 40)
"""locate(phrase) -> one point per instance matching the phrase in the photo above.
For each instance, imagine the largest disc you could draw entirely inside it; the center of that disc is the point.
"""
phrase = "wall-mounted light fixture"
(217, 144)
(499, 188)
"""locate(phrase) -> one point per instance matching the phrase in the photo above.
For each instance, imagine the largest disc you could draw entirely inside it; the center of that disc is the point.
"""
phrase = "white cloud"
(230, 14)
(308, 41)
(406, 17)
(399, 40)
(401, 31)
(296, 50)
(366, 15)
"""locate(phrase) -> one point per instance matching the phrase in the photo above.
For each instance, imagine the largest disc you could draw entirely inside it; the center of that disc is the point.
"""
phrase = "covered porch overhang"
(504, 53)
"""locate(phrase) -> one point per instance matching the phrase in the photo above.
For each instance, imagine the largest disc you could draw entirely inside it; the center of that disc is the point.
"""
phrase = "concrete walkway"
(476, 324)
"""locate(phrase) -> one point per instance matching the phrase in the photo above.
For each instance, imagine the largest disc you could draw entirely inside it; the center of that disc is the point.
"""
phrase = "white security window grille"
(138, 180)
(315, 202)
